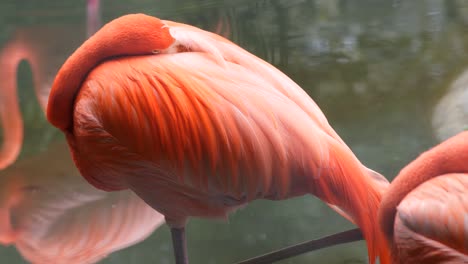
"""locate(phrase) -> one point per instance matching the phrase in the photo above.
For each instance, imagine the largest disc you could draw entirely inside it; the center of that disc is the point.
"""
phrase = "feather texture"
(423, 212)
(54, 216)
(203, 127)
(431, 222)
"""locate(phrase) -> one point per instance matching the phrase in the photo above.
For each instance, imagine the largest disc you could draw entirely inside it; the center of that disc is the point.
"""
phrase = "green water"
(376, 68)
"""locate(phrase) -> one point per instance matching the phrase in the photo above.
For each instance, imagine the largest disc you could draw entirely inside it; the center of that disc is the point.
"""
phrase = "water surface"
(378, 70)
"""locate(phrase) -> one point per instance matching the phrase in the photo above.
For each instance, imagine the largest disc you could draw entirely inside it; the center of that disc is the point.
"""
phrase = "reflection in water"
(52, 215)
(451, 113)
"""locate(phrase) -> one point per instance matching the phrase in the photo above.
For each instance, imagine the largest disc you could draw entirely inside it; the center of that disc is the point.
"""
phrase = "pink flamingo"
(197, 126)
(424, 211)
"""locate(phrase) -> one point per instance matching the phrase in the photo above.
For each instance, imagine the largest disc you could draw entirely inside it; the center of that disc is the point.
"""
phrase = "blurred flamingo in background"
(32, 45)
(197, 126)
(48, 226)
(93, 16)
(10, 115)
(49, 212)
(52, 215)
(424, 212)
(450, 114)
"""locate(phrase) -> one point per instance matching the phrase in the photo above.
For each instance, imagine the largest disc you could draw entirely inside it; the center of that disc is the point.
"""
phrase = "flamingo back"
(202, 127)
(431, 224)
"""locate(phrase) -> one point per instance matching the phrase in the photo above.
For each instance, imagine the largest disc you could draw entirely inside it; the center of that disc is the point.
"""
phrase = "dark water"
(383, 73)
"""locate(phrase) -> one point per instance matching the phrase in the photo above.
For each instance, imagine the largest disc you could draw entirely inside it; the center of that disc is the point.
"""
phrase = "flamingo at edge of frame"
(433, 187)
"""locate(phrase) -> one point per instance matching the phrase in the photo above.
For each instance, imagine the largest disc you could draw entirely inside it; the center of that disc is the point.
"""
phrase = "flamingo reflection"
(47, 210)
(52, 215)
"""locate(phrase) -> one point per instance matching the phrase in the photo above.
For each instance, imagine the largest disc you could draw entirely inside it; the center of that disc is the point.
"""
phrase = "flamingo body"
(197, 126)
(423, 213)
(431, 222)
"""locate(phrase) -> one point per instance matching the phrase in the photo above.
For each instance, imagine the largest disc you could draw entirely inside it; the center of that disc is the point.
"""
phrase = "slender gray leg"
(180, 246)
(328, 241)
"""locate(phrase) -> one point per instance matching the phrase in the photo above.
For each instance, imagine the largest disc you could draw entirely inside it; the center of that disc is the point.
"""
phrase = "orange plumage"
(197, 126)
(52, 215)
(423, 213)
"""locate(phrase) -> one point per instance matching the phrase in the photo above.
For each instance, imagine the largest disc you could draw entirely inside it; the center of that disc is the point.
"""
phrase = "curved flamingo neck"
(129, 35)
(450, 156)
(11, 121)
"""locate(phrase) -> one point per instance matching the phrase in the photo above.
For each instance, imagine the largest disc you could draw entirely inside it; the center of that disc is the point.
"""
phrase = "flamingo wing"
(197, 135)
(197, 126)
(431, 224)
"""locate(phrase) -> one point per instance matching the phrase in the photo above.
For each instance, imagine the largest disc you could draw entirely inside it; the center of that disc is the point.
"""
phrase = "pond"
(389, 76)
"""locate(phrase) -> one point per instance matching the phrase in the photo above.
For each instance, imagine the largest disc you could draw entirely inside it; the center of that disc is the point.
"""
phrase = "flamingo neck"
(128, 35)
(10, 115)
(450, 156)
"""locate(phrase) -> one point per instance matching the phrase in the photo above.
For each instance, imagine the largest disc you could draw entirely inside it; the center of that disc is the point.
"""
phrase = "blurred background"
(388, 74)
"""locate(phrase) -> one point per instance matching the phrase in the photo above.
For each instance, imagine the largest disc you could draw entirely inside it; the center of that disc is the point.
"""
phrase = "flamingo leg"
(301, 248)
(179, 244)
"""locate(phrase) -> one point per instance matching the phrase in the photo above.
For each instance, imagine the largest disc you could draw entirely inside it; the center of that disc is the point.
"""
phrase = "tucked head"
(129, 35)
